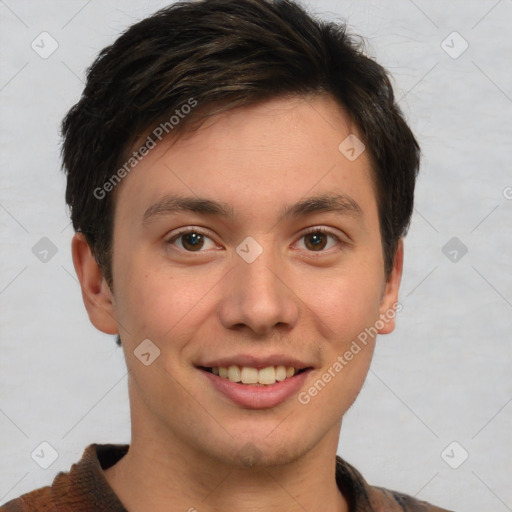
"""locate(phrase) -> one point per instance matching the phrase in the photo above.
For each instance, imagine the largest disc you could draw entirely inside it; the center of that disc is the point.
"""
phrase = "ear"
(96, 294)
(389, 303)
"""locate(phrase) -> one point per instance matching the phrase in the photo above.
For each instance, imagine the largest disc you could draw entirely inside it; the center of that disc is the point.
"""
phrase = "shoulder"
(40, 500)
(367, 498)
(81, 489)
(382, 499)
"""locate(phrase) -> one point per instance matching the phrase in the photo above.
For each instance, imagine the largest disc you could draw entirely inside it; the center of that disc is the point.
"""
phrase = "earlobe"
(96, 294)
(389, 304)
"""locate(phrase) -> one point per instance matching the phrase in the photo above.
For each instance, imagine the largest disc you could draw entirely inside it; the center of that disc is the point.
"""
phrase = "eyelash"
(310, 231)
(188, 231)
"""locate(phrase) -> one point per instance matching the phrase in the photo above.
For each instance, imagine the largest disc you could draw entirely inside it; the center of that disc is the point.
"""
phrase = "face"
(251, 248)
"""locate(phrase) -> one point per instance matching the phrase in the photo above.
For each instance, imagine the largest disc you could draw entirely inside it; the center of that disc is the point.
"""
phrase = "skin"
(190, 442)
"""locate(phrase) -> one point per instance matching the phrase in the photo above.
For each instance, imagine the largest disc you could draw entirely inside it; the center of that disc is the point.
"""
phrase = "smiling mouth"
(254, 376)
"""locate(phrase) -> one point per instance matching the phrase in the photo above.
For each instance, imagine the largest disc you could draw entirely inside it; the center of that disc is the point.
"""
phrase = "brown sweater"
(85, 489)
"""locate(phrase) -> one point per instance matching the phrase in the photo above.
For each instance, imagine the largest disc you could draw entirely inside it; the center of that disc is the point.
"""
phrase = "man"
(240, 181)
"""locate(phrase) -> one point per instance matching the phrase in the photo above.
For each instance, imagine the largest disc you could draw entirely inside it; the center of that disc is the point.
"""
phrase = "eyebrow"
(170, 204)
(327, 203)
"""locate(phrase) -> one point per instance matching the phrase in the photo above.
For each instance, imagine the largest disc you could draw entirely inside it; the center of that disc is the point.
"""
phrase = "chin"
(256, 453)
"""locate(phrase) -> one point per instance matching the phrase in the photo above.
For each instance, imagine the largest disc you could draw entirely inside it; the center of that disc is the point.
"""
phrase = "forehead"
(253, 158)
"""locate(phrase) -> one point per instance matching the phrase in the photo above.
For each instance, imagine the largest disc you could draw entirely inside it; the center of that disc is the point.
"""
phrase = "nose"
(259, 296)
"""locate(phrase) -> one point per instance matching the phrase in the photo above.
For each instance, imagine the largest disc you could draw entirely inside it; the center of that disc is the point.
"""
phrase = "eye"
(318, 240)
(192, 241)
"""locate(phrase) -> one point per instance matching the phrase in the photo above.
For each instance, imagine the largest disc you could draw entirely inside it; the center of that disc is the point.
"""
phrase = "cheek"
(160, 301)
(345, 315)
(344, 305)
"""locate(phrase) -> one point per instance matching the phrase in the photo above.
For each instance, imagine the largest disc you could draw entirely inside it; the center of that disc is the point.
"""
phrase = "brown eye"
(316, 241)
(319, 240)
(192, 241)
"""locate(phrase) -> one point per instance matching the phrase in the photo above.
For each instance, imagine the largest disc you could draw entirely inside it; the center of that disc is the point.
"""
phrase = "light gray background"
(443, 376)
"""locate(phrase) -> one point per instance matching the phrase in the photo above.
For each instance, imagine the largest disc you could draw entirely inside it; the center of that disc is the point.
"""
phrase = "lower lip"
(258, 397)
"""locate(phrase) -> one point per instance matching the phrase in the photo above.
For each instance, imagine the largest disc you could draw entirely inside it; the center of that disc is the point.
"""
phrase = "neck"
(178, 478)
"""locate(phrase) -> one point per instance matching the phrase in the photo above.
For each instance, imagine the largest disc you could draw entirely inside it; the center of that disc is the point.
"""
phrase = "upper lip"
(255, 362)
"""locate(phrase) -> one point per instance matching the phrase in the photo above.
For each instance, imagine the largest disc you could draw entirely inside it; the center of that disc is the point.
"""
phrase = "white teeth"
(280, 372)
(267, 375)
(248, 375)
(234, 374)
